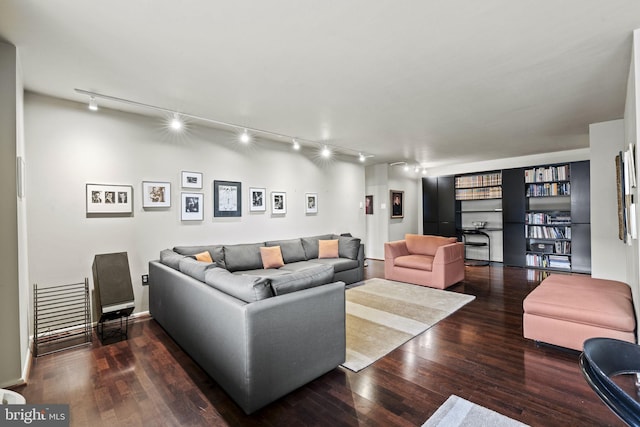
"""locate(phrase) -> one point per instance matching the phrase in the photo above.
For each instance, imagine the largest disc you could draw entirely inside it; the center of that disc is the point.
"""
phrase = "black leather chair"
(603, 358)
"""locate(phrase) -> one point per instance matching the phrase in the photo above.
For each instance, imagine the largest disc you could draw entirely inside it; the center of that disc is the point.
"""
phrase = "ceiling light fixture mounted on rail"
(406, 167)
(246, 135)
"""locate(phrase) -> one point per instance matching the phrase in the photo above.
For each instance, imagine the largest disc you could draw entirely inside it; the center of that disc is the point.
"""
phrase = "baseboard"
(25, 372)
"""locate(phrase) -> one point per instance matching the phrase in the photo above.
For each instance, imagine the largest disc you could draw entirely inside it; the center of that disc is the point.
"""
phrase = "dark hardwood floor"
(477, 353)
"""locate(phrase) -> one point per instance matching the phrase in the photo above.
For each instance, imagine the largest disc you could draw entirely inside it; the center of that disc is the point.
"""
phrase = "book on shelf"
(546, 174)
(549, 189)
(547, 232)
(483, 180)
(547, 218)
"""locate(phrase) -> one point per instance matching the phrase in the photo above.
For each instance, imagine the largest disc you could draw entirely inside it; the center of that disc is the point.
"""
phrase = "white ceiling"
(437, 82)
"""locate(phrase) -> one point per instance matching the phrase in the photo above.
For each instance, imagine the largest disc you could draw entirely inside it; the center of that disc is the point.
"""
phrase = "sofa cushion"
(292, 249)
(271, 257)
(310, 244)
(328, 249)
(203, 257)
(303, 279)
(338, 264)
(301, 265)
(242, 257)
(348, 247)
(415, 262)
(243, 287)
(216, 252)
(194, 268)
(426, 245)
(170, 258)
(264, 272)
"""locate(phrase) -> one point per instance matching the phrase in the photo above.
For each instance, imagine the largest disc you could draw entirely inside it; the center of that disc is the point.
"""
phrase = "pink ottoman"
(566, 310)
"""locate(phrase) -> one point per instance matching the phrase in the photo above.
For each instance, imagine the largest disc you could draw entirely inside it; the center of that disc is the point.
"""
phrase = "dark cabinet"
(514, 206)
(580, 193)
(513, 244)
(581, 217)
(439, 206)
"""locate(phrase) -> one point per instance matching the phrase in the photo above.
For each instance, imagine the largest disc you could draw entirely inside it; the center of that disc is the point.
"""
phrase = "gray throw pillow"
(292, 250)
(216, 252)
(348, 247)
(302, 279)
(243, 287)
(243, 257)
(195, 269)
(310, 245)
(170, 258)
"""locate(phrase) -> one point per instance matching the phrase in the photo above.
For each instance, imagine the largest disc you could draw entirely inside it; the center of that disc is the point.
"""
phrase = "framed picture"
(191, 179)
(257, 199)
(311, 203)
(156, 194)
(368, 205)
(397, 204)
(192, 207)
(108, 199)
(227, 198)
(278, 203)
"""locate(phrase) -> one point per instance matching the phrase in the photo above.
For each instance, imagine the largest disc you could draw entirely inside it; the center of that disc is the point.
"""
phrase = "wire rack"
(62, 317)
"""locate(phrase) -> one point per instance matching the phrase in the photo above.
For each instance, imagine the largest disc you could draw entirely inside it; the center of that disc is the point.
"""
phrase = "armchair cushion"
(426, 245)
(417, 262)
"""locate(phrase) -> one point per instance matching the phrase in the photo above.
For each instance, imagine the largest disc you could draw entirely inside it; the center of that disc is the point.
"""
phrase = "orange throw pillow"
(203, 256)
(271, 257)
(328, 248)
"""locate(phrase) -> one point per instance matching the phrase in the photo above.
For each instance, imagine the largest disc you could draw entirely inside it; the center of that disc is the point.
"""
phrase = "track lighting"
(326, 153)
(244, 137)
(176, 123)
(93, 104)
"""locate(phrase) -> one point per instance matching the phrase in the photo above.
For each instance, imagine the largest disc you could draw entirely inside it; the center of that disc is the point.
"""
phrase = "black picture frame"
(397, 203)
(227, 199)
(368, 204)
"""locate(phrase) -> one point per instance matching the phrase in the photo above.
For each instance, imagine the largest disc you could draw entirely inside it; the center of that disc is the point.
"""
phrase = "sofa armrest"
(395, 249)
(449, 253)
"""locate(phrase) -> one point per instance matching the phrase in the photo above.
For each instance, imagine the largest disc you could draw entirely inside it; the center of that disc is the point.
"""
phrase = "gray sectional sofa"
(259, 333)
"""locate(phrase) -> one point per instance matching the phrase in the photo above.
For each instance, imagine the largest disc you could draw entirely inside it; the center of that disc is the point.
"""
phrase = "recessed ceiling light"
(296, 144)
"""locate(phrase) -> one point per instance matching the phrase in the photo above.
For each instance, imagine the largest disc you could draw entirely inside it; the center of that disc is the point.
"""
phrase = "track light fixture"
(326, 153)
(245, 136)
(176, 123)
(93, 104)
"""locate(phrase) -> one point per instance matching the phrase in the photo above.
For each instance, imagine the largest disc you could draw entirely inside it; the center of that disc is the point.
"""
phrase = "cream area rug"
(383, 314)
(458, 412)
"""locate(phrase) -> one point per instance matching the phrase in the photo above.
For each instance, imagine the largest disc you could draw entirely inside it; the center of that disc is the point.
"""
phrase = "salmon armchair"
(434, 261)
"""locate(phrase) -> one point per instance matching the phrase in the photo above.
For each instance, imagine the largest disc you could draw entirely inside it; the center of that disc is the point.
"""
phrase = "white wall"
(69, 146)
(631, 137)
(608, 258)
(377, 185)
(512, 162)
(412, 187)
(12, 348)
(380, 180)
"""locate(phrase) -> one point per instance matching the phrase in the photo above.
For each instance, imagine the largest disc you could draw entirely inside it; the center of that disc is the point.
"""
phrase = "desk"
(476, 232)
